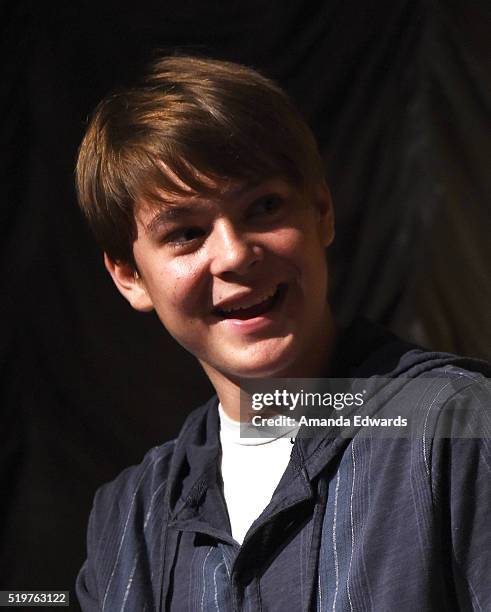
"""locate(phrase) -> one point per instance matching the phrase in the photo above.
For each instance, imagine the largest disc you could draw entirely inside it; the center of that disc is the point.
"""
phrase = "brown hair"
(194, 119)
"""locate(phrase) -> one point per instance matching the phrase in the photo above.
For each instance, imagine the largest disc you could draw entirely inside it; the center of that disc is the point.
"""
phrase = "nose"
(232, 252)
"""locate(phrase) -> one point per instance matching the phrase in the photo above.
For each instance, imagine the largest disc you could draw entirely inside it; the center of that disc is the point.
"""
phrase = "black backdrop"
(398, 95)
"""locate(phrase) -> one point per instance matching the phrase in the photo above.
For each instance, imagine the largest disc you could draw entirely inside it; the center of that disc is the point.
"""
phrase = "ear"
(129, 283)
(326, 210)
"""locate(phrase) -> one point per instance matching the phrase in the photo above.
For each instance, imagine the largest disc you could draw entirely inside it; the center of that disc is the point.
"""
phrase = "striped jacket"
(356, 523)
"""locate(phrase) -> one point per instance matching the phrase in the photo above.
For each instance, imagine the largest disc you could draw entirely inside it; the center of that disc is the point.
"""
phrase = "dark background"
(398, 95)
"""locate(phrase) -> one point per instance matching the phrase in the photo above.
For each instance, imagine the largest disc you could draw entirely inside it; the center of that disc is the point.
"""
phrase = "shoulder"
(443, 390)
(449, 397)
(137, 495)
(124, 515)
(128, 510)
(457, 391)
(445, 403)
(136, 485)
(127, 522)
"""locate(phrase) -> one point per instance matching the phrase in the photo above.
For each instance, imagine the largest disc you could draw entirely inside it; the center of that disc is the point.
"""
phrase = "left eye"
(267, 205)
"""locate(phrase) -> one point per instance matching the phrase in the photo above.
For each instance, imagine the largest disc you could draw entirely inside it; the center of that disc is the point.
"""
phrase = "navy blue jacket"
(355, 524)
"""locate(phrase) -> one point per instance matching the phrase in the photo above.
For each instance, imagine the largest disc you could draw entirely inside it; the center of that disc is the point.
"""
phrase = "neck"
(313, 364)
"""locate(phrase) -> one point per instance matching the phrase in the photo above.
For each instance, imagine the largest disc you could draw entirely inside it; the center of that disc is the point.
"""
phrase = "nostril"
(236, 258)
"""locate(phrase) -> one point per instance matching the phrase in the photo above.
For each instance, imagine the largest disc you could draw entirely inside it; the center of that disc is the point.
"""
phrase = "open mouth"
(256, 310)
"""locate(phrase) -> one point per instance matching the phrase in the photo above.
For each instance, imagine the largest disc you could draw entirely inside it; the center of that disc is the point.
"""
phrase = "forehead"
(168, 190)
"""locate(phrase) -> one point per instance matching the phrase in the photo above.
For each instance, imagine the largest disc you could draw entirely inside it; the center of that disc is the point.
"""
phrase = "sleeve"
(461, 473)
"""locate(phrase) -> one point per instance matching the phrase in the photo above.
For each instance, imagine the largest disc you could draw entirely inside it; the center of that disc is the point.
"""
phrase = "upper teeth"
(247, 303)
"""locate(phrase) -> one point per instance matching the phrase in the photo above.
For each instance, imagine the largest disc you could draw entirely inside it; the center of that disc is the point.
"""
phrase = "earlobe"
(129, 284)
(326, 210)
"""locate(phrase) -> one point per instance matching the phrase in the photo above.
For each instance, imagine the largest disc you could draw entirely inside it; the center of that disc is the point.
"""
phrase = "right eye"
(184, 237)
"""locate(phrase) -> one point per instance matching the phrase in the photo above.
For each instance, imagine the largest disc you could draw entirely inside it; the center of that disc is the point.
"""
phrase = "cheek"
(299, 250)
(178, 285)
(287, 243)
(308, 256)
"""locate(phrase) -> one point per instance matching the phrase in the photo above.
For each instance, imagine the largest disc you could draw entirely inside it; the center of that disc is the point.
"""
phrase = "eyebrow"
(167, 215)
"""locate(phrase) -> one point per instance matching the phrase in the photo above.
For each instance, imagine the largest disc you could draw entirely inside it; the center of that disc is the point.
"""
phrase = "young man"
(206, 192)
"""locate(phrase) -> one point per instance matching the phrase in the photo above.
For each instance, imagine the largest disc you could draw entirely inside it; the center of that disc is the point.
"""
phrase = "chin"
(269, 365)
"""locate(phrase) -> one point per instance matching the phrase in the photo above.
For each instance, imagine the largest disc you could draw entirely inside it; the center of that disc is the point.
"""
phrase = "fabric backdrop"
(398, 95)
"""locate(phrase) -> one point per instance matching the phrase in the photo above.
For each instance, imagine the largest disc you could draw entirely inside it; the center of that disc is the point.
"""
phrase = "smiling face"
(239, 280)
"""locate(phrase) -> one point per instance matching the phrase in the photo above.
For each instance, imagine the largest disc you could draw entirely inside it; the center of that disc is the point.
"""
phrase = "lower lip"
(262, 322)
(250, 326)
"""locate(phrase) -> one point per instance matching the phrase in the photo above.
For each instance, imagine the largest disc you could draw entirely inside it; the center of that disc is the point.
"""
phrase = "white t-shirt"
(251, 470)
